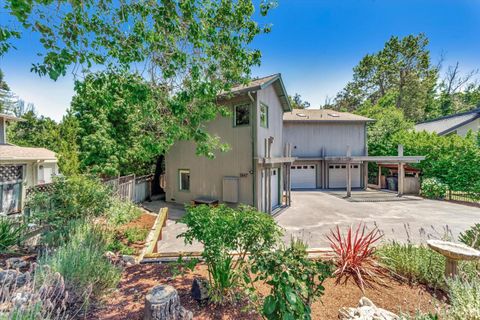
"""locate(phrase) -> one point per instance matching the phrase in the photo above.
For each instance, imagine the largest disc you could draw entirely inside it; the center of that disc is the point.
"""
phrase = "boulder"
(13, 277)
(163, 303)
(128, 260)
(366, 310)
(199, 290)
(16, 263)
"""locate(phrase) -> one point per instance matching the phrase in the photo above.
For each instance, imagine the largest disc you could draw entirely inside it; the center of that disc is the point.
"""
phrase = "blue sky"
(313, 43)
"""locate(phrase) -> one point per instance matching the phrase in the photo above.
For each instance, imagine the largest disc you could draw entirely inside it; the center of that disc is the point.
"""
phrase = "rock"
(16, 263)
(163, 303)
(13, 277)
(128, 260)
(366, 310)
(199, 290)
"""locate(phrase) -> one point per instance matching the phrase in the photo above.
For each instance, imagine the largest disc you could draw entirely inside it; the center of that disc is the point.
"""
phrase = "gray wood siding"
(206, 175)
(3, 131)
(269, 97)
(308, 138)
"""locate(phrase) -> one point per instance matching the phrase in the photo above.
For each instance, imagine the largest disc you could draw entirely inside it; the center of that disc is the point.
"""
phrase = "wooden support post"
(365, 175)
(349, 172)
(401, 177)
(379, 177)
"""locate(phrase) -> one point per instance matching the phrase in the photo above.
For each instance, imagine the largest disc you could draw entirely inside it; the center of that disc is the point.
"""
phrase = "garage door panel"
(303, 176)
(337, 176)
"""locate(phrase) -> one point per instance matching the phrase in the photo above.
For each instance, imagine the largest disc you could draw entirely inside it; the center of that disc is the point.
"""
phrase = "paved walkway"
(314, 213)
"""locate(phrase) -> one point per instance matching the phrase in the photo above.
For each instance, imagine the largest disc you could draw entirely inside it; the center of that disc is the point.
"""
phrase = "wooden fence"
(135, 189)
(466, 197)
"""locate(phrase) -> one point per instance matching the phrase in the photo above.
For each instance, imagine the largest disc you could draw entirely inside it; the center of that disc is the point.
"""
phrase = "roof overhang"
(461, 124)
(276, 160)
(380, 159)
(10, 117)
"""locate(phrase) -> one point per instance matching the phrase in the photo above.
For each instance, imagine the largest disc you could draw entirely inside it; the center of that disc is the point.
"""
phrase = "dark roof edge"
(476, 110)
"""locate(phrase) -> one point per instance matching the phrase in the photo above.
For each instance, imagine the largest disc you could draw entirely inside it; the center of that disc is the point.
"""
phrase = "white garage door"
(337, 175)
(303, 177)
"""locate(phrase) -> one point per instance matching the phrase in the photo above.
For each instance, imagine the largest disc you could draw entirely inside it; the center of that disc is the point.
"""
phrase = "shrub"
(355, 256)
(40, 298)
(135, 234)
(433, 188)
(223, 230)
(420, 263)
(471, 237)
(464, 299)
(122, 212)
(77, 197)
(11, 233)
(295, 280)
(81, 260)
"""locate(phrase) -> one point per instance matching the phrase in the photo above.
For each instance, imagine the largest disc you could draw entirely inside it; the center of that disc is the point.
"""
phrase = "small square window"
(242, 115)
(264, 115)
(184, 179)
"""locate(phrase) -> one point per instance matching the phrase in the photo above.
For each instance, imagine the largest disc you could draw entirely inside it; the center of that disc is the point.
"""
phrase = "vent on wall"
(230, 189)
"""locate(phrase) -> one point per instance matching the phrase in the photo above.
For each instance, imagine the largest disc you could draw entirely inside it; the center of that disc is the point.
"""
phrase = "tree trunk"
(163, 303)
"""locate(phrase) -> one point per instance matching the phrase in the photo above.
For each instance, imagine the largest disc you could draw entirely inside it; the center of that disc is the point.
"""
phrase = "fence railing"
(135, 189)
(460, 196)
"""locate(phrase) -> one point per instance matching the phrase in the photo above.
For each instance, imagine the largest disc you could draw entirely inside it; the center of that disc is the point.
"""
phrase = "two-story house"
(20, 168)
(254, 170)
(318, 137)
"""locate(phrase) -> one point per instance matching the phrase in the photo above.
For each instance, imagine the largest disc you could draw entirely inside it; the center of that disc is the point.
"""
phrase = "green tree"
(402, 69)
(35, 131)
(190, 52)
(297, 102)
(68, 160)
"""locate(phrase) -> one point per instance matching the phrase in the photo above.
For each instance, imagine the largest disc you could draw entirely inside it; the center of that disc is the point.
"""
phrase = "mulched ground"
(127, 301)
(145, 221)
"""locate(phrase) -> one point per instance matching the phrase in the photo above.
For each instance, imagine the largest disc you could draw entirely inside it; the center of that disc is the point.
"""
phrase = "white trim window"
(263, 115)
(184, 180)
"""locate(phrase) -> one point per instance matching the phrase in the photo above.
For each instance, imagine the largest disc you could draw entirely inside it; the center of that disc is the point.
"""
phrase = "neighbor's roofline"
(476, 110)
(461, 124)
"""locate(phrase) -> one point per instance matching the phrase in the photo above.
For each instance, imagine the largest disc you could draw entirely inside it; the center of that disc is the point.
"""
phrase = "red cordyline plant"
(355, 256)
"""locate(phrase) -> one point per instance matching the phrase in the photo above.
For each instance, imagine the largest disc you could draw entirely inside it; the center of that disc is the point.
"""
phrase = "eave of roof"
(10, 117)
(323, 115)
(476, 110)
(461, 124)
(10, 152)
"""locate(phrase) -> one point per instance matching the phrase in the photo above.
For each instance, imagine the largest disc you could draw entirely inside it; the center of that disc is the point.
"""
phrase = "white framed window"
(241, 115)
(184, 179)
(263, 115)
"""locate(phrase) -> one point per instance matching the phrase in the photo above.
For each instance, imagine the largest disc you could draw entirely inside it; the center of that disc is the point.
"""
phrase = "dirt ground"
(127, 301)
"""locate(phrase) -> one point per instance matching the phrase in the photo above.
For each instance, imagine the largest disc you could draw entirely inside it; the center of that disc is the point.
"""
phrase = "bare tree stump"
(163, 303)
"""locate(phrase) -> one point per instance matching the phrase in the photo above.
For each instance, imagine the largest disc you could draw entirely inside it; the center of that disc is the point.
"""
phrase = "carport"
(400, 160)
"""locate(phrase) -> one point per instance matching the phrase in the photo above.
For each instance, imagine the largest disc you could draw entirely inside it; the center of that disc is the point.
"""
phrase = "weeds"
(11, 233)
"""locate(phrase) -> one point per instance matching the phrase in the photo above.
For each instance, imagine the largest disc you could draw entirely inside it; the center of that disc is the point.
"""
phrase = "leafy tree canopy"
(402, 69)
(297, 102)
(179, 55)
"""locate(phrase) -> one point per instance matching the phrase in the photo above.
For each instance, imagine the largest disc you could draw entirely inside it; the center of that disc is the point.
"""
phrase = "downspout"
(253, 142)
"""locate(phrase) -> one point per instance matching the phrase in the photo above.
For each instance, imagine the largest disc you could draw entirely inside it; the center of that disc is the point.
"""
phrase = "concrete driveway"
(314, 213)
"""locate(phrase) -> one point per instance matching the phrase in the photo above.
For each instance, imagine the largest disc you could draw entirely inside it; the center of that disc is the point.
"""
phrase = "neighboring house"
(317, 135)
(20, 168)
(459, 123)
(253, 171)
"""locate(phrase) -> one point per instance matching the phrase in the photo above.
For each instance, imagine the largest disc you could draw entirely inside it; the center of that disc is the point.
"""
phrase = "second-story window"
(264, 115)
(242, 115)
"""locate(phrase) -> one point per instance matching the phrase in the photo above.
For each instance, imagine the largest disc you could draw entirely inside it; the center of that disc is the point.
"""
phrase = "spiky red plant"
(355, 256)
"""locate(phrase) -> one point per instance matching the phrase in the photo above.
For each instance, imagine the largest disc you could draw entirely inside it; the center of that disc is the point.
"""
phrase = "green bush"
(471, 237)
(223, 230)
(81, 261)
(11, 233)
(135, 234)
(295, 280)
(433, 188)
(122, 212)
(464, 299)
(420, 264)
(77, 197)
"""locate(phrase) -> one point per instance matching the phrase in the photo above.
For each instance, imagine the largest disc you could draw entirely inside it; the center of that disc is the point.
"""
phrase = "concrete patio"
(314, 213)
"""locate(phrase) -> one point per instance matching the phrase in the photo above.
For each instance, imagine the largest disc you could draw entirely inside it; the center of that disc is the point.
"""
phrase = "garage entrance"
(337, 175)
(303, 176)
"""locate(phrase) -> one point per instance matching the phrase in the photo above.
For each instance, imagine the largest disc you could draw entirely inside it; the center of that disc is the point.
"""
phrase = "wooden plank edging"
(155, 234)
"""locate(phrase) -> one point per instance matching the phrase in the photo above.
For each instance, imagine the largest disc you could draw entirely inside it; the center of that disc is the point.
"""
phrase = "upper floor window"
(241, 115)
(264, 115)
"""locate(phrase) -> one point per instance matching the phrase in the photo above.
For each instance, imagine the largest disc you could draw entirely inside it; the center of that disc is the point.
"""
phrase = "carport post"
(379, 176)
(349, 173)
(401, 177)
(365, 175)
